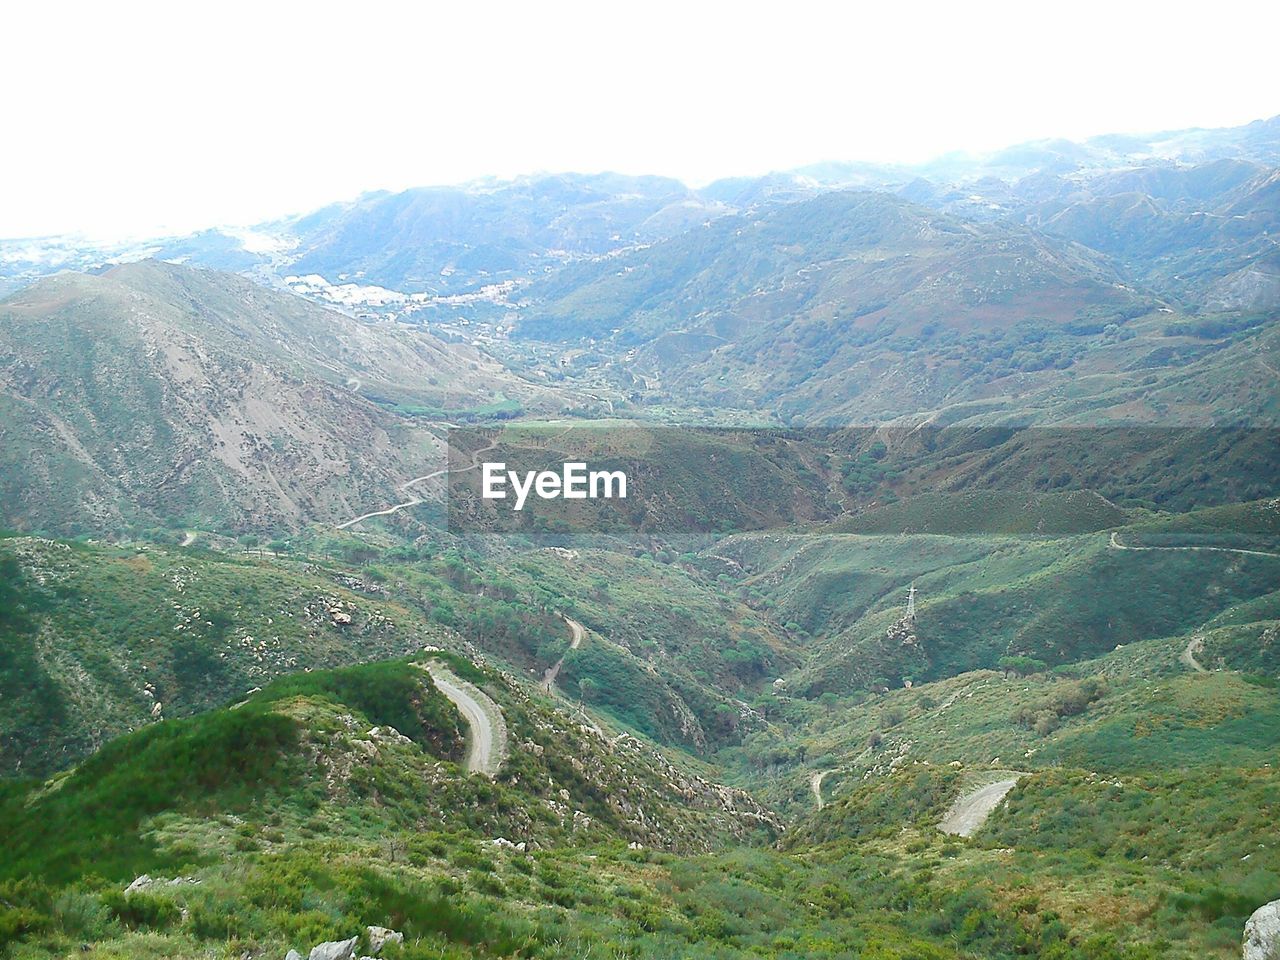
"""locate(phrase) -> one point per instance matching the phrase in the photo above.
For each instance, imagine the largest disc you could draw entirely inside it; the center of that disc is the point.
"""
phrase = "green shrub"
(1067, 699)
(83, 915)
(140, 910)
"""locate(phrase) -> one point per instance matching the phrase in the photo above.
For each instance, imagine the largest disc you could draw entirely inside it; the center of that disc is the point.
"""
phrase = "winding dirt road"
(815, 784)
(972, 809)
(487, 744)
(1196, 644)
(414, 501)
(576, 633)
(1115, 544)
(1188, 656)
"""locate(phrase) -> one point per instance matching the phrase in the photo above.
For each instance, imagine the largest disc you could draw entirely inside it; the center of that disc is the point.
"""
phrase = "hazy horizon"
(498, 179)
(184, 120)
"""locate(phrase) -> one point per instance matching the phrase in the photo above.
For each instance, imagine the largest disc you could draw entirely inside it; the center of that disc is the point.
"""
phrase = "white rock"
(1262, 933)
(293, 955)
(335, 950)
(379, 937)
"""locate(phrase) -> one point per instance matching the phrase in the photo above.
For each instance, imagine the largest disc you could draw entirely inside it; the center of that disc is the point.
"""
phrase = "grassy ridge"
(226, 760)
(214, 763)
(1143, 811)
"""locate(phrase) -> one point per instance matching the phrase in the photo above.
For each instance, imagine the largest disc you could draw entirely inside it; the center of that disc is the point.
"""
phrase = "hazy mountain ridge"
(434, 238)
(1193, 245)
(451, 238)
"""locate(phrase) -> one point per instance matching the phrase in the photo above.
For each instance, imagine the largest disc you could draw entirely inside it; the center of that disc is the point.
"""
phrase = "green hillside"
(975, 513)
(292, 826)
(1057, 600)
(97, 636)
(837, 309)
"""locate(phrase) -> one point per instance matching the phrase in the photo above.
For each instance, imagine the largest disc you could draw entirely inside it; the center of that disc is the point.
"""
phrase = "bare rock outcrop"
(1262, 933)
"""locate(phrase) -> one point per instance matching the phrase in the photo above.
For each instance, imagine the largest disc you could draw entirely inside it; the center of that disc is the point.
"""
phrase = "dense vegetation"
(302, 826)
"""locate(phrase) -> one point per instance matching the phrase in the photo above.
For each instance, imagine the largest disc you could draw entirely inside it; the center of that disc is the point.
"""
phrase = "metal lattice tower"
(911, 602)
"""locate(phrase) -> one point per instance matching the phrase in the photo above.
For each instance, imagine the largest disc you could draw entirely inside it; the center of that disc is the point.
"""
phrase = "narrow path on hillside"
(487, 744)
(815, 784)
(1188, 656)
(1115, 544)
(971, 810)
(413, 502)
(576, 634)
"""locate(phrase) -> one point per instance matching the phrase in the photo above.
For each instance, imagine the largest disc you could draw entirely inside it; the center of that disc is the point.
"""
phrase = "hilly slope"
(663, 652)
(157, 394)
(1144, 786)
(446, 239)
(851, 305)
(382, 361)
(984, 598)
(97, 637)
(331, 800)
(1206, 239)
(368, 737)
(328, 805)
(99, 640)
(859, 257)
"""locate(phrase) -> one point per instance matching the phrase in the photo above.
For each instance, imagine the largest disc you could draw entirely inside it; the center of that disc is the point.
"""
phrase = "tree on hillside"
(1020, 666)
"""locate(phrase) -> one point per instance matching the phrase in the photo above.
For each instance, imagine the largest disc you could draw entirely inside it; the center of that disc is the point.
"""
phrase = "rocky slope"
(157, 394)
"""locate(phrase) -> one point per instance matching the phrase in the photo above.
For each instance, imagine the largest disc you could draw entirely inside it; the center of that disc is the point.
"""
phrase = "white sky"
(130, 118)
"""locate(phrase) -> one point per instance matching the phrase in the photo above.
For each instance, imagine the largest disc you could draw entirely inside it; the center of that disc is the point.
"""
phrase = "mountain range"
(448, 239)
(942, 624)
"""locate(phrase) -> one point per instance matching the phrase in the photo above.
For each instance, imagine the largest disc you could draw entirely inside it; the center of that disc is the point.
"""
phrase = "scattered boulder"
(335, 950)
(379, 937)
(293, 955)
(146, 882)
(1262, 933)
